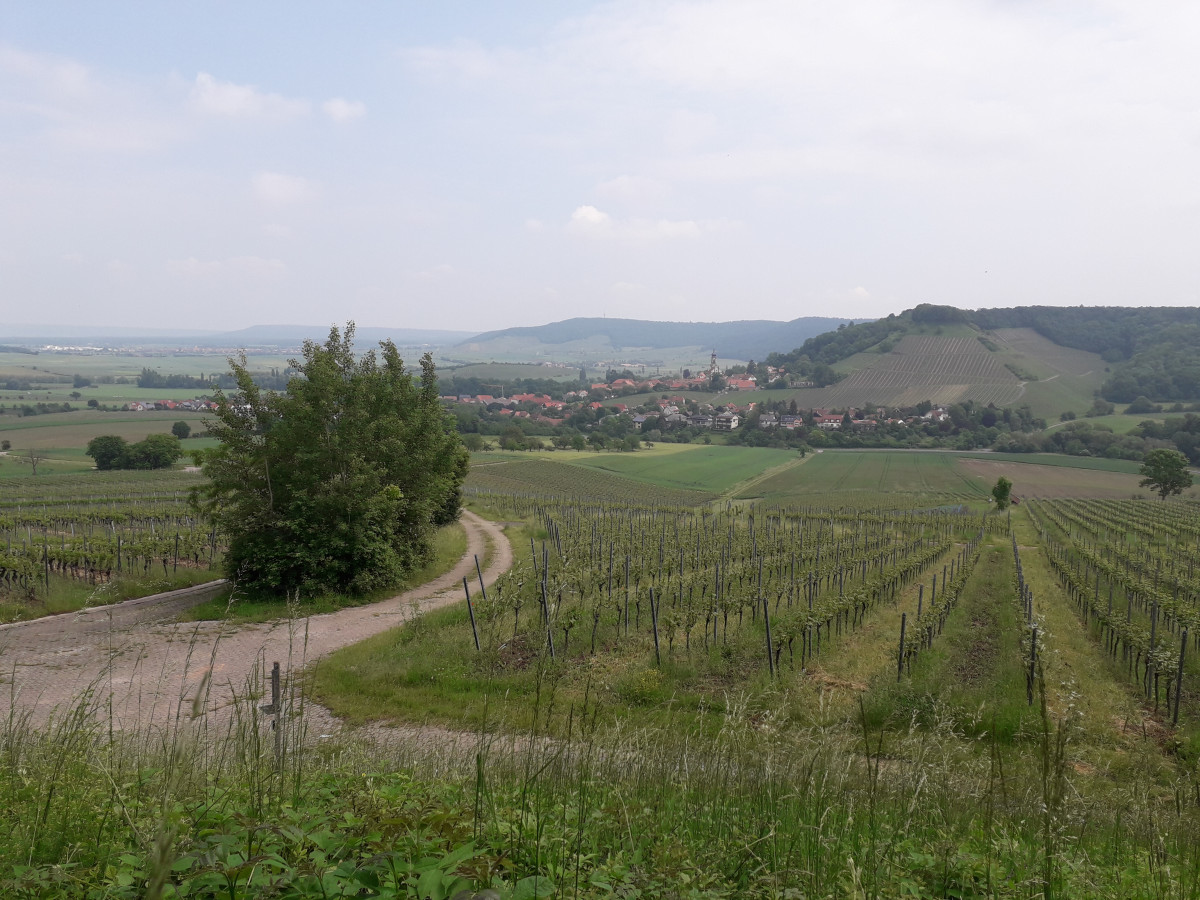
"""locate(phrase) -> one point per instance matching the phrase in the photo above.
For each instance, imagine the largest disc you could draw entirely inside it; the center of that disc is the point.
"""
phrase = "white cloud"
(243, 101)
(275, 187)
(52, 75)
(236, 267)
(590, 222)
(535, 225)
(274, 229)
(344, 110)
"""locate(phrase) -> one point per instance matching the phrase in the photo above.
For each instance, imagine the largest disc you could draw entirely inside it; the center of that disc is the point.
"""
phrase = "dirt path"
(153, 668)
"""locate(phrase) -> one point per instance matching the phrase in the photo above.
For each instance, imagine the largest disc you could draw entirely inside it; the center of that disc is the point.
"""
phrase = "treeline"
(157, 451)
(473, 386)
(274, 380)
(152, 379)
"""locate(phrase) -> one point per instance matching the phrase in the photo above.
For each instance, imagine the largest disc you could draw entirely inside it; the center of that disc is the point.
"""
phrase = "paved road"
(154, 668)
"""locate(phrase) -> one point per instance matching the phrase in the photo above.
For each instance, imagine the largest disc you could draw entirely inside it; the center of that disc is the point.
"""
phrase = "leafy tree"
(5, 445)
(1166, 471)
(181, 430)
(1002, 492)
(338, 483)
(157, 451)
(93, 403)
(108, 451)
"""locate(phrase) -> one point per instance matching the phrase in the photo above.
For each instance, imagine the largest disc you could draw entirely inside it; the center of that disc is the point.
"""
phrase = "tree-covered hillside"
(749, 339)
(1152, 351)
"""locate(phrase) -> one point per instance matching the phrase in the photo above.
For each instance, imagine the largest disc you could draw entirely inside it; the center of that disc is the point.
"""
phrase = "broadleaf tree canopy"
(1166, 471)
(339, 482)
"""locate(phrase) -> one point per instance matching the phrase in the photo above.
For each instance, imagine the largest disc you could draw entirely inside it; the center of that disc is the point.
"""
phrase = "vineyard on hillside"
(87, 531)
(689, 600)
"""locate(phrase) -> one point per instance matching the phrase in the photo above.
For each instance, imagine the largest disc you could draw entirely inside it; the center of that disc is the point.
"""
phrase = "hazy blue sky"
(477, 165)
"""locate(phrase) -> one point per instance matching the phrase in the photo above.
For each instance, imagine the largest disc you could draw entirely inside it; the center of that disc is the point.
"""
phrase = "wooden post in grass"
(900, 658)
(272, 709)
(767, 623)
(920, 599)
(1179, 678)
(546, 611)
(471, 610)
(654, 627)
(1032, 664)
(479, 572)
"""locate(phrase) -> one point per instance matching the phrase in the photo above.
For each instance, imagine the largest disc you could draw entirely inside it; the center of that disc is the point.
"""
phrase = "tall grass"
(202, 806)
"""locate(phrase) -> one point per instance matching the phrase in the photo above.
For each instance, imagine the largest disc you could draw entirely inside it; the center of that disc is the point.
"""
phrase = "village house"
(726, 421)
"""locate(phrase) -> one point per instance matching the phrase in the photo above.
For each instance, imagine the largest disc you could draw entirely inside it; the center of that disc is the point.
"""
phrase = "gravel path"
(153, 668)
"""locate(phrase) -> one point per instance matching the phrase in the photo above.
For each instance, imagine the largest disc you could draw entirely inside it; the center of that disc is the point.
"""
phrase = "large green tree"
(1166, 471)
(337, 483)
(108, 451)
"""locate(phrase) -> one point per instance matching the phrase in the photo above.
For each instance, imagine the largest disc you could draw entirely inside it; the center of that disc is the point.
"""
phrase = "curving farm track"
(154, 669)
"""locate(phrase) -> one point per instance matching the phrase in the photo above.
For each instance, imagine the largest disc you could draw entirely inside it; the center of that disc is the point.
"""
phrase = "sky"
(477, 165)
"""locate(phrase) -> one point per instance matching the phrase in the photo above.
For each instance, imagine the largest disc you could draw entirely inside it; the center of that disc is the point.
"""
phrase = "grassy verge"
(754, 812)
(70, 595)
(450, 543)
(973, 673)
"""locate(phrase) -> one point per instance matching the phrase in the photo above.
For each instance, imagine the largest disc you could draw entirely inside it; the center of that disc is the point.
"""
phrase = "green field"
(867, 478)
(1118, 423)
(75, 429)
(689, 466)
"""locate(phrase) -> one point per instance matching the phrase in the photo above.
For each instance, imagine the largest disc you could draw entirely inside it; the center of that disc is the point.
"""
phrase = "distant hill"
(746, 339)
(254, 336)
(1120, 352)
(290, 335)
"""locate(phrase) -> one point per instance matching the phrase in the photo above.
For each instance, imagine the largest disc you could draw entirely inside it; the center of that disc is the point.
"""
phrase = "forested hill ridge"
(1152, 351)
(747, 339)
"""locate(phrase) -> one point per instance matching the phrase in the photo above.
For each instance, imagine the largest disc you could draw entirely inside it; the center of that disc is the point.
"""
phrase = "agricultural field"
(956, 366)
(871, 478)
(751, 687)
(68, 541)
(692, 467)
(29, 367)
(1031, 480)
(940, 369)
(1036, 671)
(541, 476)
(75, 429)
(508, 371)
(1043, 357)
